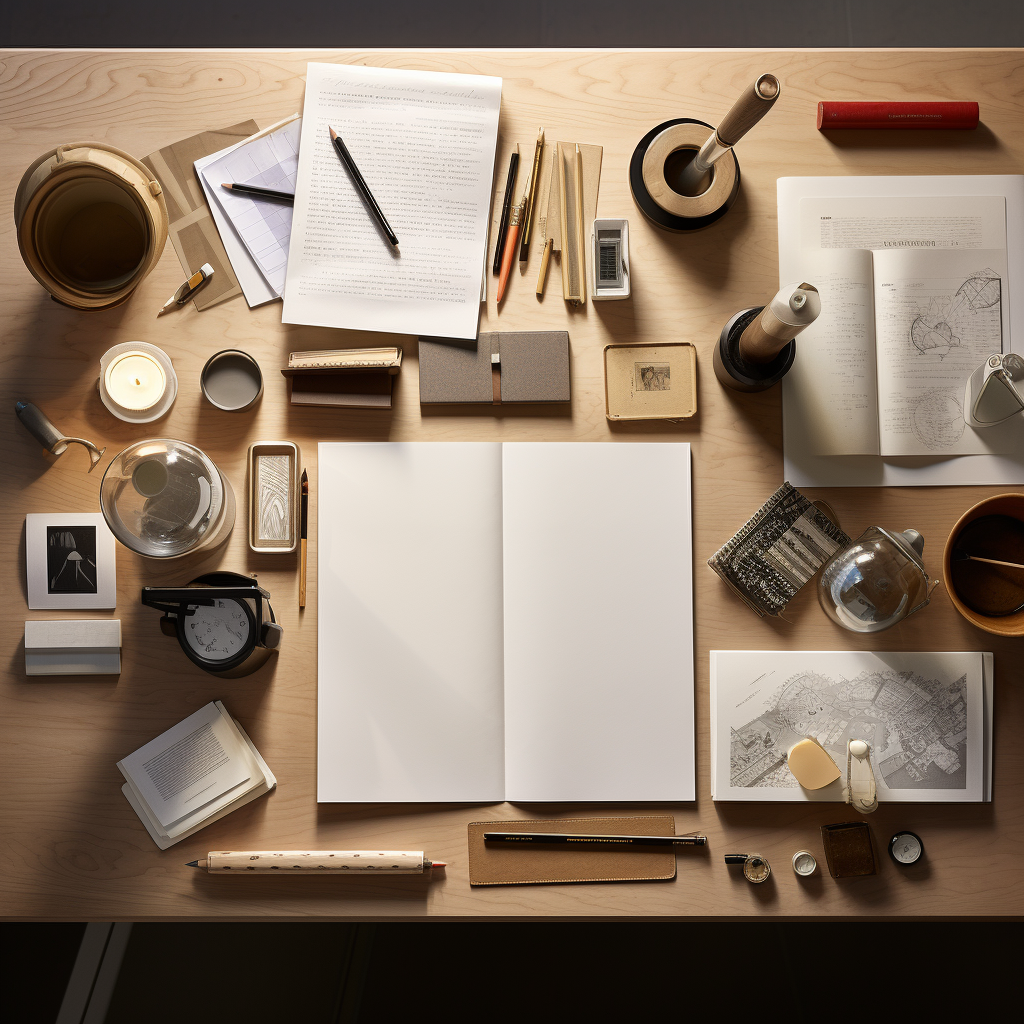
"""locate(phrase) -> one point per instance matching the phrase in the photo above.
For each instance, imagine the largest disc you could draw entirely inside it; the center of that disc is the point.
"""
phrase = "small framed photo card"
(69, 561)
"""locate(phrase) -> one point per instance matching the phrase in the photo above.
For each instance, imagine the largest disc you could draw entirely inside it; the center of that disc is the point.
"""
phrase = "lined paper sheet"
(425, 143)
(598, 622)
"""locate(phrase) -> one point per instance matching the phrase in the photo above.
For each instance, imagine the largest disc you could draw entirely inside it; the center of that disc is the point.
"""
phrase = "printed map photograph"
(925, 716)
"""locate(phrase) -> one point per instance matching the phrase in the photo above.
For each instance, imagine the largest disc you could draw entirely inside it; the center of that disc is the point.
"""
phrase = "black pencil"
(263, 193)
(364, 189)
(506, 210)
(572, 839)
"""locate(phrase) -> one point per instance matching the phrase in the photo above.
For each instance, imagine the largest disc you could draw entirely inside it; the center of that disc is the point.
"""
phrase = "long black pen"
(262, 193)
(572, 839)
(506, 210)
(364, 189)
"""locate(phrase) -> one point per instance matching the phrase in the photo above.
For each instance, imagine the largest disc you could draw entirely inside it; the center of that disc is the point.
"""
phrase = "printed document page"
(409, 623)
(188, 767)
(425, 144)
(598, 622)
(830, 395)
(883, 369)
(955, 214)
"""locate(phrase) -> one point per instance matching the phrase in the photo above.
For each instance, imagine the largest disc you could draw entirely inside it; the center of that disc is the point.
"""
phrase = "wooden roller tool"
(756, 348)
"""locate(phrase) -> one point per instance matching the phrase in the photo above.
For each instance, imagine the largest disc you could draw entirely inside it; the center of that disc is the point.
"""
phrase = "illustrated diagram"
(938, 420)
(950, 318)
(916, 726)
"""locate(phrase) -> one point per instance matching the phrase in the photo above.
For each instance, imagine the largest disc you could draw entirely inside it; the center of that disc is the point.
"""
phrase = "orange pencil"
(510, 250)
(510, 241)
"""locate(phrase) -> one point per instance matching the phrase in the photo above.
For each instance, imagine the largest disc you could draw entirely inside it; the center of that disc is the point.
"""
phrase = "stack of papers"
(424, 142)
(255, 232)
(193, 774)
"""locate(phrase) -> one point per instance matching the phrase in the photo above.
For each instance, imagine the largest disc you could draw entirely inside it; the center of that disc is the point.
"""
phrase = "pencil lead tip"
(334, 134)
(192, 864)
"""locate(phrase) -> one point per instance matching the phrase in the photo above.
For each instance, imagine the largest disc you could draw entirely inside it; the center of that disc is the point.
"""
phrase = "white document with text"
(425, 144)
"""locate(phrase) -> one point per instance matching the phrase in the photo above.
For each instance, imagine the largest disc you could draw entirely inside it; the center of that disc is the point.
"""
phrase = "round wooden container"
(654, 169)
(1001, 504)
(91, 223)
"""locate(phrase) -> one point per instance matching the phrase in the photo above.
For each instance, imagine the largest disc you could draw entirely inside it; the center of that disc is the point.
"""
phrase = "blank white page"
(598, 622)
(409, 599)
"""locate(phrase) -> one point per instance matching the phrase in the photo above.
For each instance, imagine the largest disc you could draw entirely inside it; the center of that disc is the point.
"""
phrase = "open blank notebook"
(504, 622)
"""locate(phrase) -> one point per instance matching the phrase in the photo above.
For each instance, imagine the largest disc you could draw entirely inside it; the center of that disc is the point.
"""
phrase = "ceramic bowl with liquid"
(989, 596)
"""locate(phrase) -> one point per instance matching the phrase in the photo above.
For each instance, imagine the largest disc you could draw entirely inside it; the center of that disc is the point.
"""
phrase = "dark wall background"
(557, 23)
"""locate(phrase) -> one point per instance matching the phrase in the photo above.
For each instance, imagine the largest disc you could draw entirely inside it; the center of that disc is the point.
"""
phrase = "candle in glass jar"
(135, 380)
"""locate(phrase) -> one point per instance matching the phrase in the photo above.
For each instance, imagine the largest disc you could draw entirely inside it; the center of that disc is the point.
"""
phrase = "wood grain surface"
(73, 849)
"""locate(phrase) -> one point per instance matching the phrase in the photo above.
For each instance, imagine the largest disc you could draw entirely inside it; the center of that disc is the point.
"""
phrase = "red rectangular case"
(838, 114)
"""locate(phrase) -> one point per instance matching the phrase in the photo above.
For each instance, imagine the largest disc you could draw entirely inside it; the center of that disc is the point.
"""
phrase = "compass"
(906, 848)
(222, 620)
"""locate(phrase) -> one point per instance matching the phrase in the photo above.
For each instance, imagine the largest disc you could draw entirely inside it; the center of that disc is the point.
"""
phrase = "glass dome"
(164, 498)
(876, 582)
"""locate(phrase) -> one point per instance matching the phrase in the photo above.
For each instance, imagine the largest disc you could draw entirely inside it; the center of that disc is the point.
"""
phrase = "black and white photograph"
(69, 561)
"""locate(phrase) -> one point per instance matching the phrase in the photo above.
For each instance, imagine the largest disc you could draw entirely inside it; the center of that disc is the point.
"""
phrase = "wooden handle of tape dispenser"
(749, 109)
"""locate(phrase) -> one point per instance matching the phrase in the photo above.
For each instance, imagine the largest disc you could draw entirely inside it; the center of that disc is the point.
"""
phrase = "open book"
(194, 773)
(504, 622)
(926, 717)
(884, 368)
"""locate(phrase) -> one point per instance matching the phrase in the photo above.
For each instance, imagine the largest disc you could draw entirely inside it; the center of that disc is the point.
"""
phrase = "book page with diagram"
(935, 260)
(938, 316)
(831, 395)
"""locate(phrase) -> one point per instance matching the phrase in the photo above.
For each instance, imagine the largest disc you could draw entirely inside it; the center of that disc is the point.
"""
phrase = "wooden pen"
(530, 199)
(296, 862)
(542, 277)
(303, 532)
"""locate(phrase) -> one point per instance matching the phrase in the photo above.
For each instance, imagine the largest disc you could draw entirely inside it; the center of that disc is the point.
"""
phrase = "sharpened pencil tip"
(192, 864)
(225, 184)
(334, 134)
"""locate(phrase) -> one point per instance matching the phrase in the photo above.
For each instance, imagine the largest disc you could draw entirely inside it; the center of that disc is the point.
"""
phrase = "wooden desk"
(72, 847)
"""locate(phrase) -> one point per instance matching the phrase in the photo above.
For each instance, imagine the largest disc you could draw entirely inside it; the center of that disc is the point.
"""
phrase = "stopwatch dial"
(906, 848)
(219, 631)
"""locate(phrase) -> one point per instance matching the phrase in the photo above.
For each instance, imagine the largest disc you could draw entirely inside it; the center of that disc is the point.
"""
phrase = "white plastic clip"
(860, 790)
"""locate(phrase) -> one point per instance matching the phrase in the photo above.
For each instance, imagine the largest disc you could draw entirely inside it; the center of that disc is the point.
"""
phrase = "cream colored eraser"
(811, 765)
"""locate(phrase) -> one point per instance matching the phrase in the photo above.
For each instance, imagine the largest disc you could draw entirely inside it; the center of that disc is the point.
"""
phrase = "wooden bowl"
(1001, 504)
